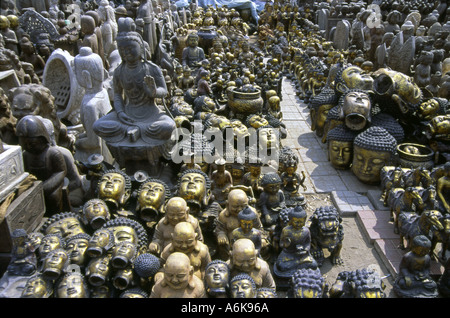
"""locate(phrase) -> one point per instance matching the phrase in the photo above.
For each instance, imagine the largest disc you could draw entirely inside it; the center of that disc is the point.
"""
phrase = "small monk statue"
(176, 211)
(179, 280)
(247, 218)
(184, 240)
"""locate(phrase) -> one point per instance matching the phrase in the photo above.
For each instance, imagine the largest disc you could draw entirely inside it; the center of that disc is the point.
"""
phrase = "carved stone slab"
(11, 170)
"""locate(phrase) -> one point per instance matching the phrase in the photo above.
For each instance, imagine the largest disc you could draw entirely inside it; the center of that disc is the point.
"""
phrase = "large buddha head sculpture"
(76, 246)
(72, 285)
(125, 229)
(114, 187)
(373, 149)
(37, 287)
(55, 264)
(340, 146)
(65, 224)
(321, 104)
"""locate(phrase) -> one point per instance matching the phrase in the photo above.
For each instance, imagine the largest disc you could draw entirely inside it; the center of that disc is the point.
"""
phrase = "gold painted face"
(321, 115)
(428, 109)
(367, 164)
(125, 234)
(152, 194)
(246, 225)
(55, 260)
(192, 187)
(354, 77)
(48, 244)
(77, 249)
(257, 121)
(96, 213)
(98, 269)
(66, 227)
(99, 240)
(217, 276)
(297, 223)
(441, 125)
(35, 288)
(111, 186)
(242, 288)
(341, 153)
(71, 286)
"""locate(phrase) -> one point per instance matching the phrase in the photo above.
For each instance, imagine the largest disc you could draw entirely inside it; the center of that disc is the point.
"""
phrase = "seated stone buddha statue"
(137, 126)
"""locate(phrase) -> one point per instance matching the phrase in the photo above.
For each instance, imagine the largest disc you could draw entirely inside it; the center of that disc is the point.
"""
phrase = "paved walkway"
(351, 197)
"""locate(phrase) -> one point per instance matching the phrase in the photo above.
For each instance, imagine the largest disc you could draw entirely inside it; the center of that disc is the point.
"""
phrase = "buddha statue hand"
(124, 118)
(150, 81)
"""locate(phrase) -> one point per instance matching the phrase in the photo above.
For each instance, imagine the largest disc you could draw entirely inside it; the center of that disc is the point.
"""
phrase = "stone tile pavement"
(351, 197)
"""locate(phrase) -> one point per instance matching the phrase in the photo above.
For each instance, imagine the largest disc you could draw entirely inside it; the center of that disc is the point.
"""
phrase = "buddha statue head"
(352, 77)
(247, 218)
(129, 41)
(256, 121)
(123, 278)
(428, 109)
(95, 213)
(49, 243)
(134, 292)
(271, 182)
(265, 292)
(76, 246)
(340, 146)
(400, 88)
(55, 263)
(194, 186)
(439, 127)
(37, 287)
(123, 254)
(391, 124)
(146, 265)
(268, 139)
(307, 283)
(101, 242)
(65, 224)
(217, 278)
(242, 286)
(373, 149)
(356, 107)
(114, 187)
(297, 217)
(72, 285)
(321, 104)
(125, 229)
(152, 197)
(98, 270)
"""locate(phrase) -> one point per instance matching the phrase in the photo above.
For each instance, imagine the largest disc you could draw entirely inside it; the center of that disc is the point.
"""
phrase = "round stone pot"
(424, 157)
(245, 103)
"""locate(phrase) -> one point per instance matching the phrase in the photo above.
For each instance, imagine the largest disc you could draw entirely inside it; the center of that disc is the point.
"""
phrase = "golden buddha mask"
(367, 164)
(101, 241)
(340, 153)
(54, 263)
(112, 188)
(217, 275)
(356, 109)
(193, 187)
(66, 227)
(72, 285)
(354, 77)
(242, 288)
(76, 248)
(96, 213)
(37, 287)
(151, 199)
(98, 270)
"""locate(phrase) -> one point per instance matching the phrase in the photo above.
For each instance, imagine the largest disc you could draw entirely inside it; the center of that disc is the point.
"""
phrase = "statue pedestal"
(25, 211)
